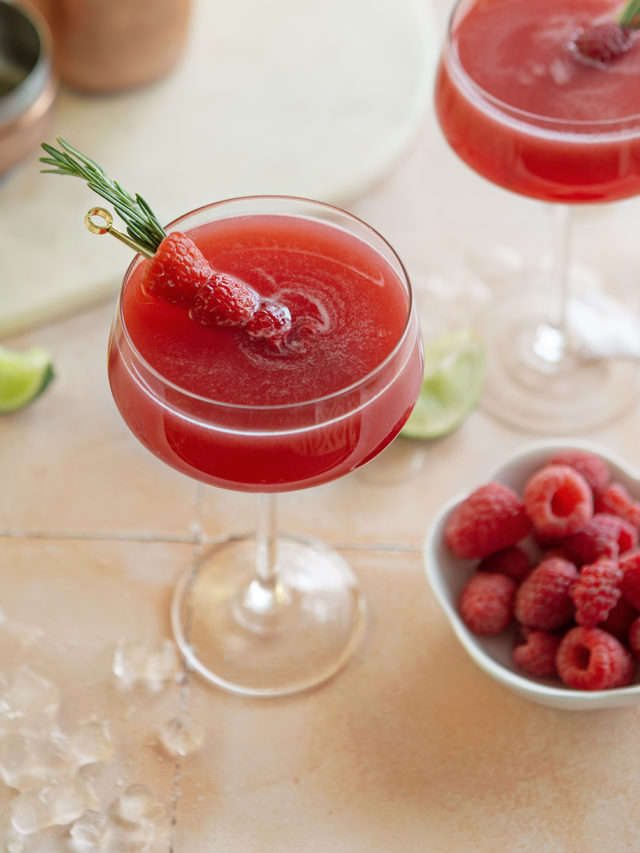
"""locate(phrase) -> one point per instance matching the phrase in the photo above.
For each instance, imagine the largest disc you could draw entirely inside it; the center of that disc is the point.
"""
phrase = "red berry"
(543, 600)
(486, 603)
(536, 652)
(619, 619)
(594, 469)
(616, 500)
(604, 535)
(630, 583)
(270, 321)
(602, 43)
(558, 501)
(592, 659)
(176, 271)
(489, 519)
(224, 301)
(634, 637)
(596, 592)
(513, 562)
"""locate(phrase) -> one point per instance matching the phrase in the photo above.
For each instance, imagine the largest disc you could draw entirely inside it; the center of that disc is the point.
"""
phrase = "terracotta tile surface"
(410, 748)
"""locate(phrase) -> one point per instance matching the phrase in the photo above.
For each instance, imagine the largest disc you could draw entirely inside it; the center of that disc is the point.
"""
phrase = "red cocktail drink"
(520, 109)
(528, 100)
(264, 614)
(230, 410)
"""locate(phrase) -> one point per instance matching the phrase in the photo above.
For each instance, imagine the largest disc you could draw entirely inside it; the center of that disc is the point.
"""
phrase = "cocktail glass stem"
(551, 338)
(265, 594)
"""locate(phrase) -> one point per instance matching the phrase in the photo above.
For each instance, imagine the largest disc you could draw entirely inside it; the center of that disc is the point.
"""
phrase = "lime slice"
(454, 374)
(23, 376)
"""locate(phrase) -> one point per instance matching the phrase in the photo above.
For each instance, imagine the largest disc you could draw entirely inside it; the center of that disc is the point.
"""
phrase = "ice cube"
(28, 702)
(90, 831)
(68, 800)
(30, 813)
(135, 804)
(91, 742)
(129, 661)
(27, 762)
(139, 662)
(180, 736)
(162, 666)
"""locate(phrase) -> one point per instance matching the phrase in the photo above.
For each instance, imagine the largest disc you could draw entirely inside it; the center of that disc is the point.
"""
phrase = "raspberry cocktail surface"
(232, 410)
(523, 108)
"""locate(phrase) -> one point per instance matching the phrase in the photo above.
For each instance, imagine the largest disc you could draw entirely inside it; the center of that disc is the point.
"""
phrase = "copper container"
(109, 45)
(27, 86)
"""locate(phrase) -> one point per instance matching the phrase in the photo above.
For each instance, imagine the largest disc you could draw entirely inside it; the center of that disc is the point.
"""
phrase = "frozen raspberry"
(271, 321)
(536, 652)
(558, 501)
(604, 535)
(224, 301)
(513, 562)
(486, 603)
(630, 583)
(616, 500)
(596, 592)
(176, 271)
(602, 43)
(633, 638)
(543, 600)
(619, 620)
(591, 659)
(489, 519)
(592, 467)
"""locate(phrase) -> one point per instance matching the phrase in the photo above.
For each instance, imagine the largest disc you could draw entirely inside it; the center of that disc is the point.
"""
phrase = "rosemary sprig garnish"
(630, 15)
(140, 220)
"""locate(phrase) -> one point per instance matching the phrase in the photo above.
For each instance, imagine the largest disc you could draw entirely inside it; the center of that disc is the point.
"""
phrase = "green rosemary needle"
(141, 222)
(630, 15)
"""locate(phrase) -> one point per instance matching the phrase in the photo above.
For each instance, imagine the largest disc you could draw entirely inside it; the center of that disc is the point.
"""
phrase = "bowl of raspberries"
(538, 571)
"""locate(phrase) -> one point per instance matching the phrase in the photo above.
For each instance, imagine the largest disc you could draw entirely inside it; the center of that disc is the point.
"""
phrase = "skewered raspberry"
(224, 301)
(177, 270)
(601, 43)
(270, 321)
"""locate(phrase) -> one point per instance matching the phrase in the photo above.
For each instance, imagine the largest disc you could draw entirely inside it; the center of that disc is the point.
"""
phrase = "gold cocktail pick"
(106, 227)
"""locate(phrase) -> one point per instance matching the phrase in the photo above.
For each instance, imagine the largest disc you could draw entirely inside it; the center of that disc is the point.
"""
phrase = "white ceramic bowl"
(447, 575)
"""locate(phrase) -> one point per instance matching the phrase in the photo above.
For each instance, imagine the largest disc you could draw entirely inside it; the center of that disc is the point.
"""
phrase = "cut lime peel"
(455, 367)
(23, 377)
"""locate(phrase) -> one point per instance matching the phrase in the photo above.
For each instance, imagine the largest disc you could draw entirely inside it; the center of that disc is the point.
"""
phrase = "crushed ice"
(51, 772)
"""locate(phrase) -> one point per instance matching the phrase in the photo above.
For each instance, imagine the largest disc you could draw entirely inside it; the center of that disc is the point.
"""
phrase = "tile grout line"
(191, 539)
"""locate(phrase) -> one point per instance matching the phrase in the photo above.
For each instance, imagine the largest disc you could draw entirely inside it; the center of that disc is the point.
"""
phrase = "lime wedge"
(454, 374)
(23, 376)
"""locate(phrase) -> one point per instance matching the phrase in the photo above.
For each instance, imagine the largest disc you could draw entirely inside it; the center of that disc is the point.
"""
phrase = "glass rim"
(579, 127)
(278, 407)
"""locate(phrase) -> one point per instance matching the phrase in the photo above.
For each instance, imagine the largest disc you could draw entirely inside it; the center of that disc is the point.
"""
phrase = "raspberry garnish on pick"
(176, 270)
(605, 41)
(602, 43)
